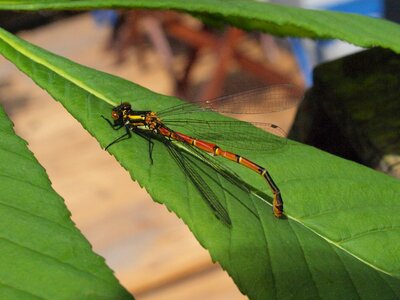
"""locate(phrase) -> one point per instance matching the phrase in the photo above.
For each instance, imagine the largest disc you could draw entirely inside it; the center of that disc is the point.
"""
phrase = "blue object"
(373, 8)
(105, 17)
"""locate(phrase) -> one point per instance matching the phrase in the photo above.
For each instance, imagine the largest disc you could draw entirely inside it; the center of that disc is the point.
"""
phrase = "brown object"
(158, 25)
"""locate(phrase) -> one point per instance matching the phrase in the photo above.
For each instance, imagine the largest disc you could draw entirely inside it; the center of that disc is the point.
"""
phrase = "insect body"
(149, 124)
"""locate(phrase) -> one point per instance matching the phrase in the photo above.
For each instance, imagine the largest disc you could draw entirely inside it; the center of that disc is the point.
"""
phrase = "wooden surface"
(152, 253)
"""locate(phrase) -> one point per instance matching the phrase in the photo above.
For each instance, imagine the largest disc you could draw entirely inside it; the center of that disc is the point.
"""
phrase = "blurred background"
(152, 252)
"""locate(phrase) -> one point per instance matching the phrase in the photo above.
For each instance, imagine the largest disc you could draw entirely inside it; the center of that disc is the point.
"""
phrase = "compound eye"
(115, 115)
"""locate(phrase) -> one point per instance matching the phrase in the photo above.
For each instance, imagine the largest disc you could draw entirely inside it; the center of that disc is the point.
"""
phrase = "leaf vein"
(347, 271)
(37, 216)
(61, 72)
(56, 260)
(306, 262)
(364, 233)
(18, 289)
(268, 254)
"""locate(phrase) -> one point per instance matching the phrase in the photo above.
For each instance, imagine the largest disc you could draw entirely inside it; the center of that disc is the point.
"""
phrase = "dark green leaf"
(254, 15)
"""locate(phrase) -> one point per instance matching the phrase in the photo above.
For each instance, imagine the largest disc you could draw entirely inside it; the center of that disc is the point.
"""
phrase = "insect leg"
(149, 139)
(113, 126)
(125, 136)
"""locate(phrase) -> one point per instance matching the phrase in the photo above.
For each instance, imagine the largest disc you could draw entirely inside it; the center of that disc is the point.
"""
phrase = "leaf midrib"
(60, 72)
(340, 247)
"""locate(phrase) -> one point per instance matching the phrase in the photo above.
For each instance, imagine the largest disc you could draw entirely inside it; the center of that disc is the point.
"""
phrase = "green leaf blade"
(42, 254)
(253, 15)
(300, 257)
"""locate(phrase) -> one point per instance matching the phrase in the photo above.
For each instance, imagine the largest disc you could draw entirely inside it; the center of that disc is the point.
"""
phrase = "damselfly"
(168, 126)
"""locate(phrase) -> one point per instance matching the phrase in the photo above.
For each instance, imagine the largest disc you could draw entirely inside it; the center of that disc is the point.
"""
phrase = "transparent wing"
(200, 170)
(232, 134)
(207, 194)
(262, 100)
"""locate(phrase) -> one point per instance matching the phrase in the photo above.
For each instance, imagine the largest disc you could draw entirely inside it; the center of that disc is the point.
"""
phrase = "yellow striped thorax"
(124, 115)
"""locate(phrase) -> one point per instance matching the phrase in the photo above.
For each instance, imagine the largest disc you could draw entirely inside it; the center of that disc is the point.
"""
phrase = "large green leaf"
(254, 15)
(42, 254)
(341, 238)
